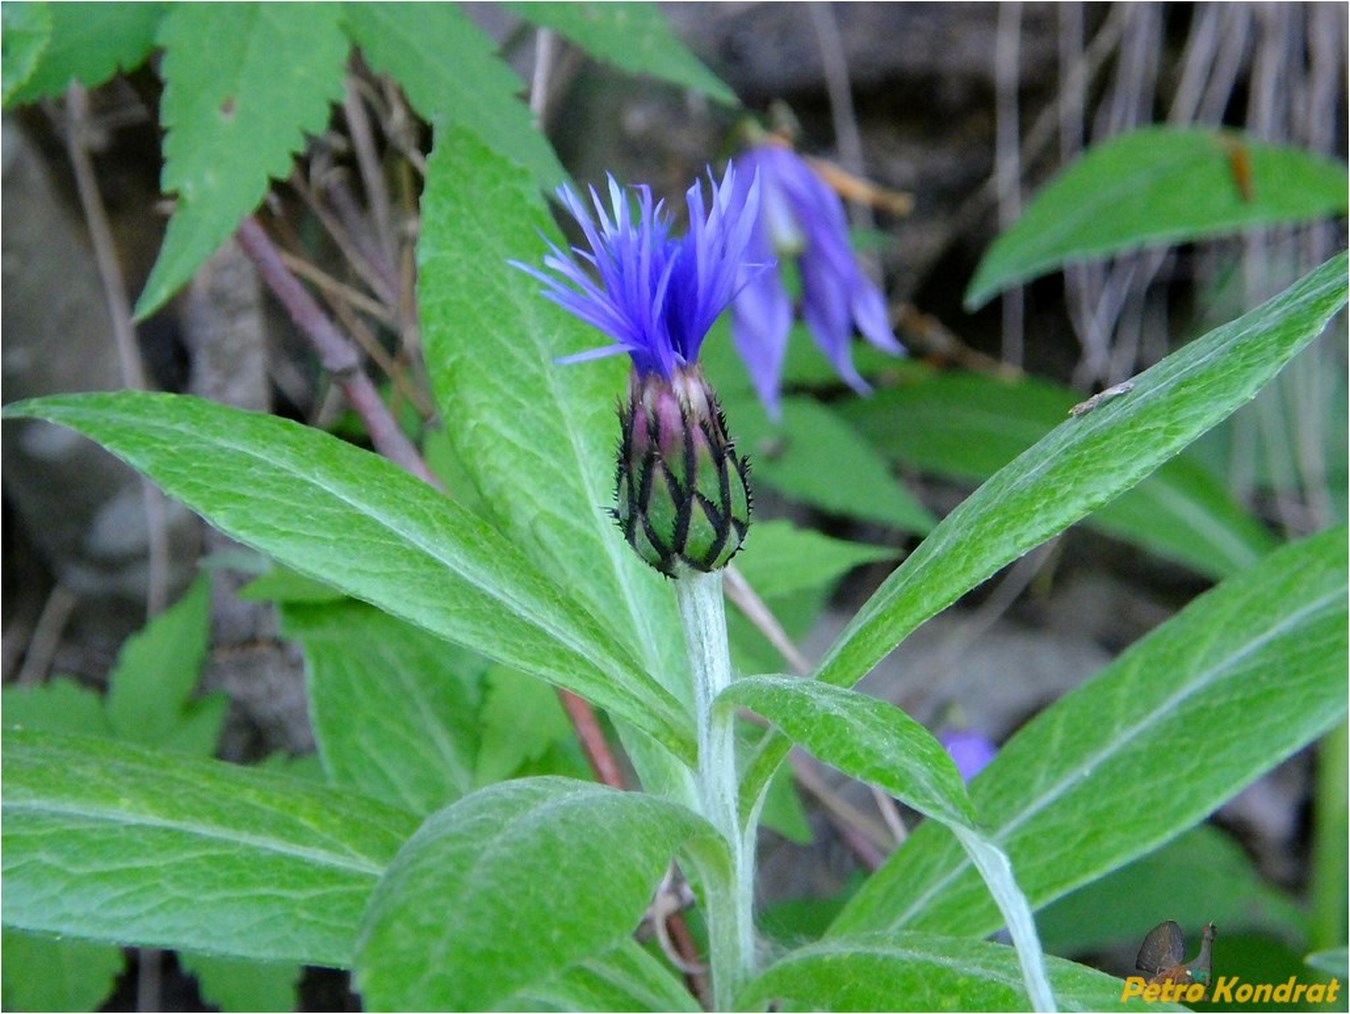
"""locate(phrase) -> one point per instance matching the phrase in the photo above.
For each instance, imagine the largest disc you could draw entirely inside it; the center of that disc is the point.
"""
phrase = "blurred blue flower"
(802, 218)
(656, 295)
(971, 751)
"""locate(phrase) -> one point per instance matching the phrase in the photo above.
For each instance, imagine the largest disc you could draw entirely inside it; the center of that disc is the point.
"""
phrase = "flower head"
(682, 493)
(802, 218)
(655, 295)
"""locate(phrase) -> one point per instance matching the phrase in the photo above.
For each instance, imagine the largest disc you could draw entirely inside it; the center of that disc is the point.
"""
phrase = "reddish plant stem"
(592, 739)
(336, 354)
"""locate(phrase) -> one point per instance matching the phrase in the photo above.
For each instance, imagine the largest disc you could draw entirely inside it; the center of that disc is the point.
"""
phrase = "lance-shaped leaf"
(1159, 185)
(1087, 461)
(1083, 463)
(968, 426)
(920, 972)
(1243, 677)
(876, 742)
(509, 887)
(340, 514)
(111, 842)
(243, 84)
(394, 709)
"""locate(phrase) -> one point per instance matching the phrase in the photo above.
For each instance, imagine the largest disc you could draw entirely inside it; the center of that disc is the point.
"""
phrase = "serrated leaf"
(1202, 876)
(51, 974)
(967, 426)
(332, 511)
(236, 984)
(1156, 186)
(1117, 767)
(450, 71)
(537, 438)
(876, 742)
(626, 978)
(779, 558)
(521, 718)
(243, 84)
(111, 842)
(394, 709)
(920, 972)
(635, 37)
(515, 863)
(27, 31)
(816, 457)
(158, 668)
(89, 43)
(60, 705)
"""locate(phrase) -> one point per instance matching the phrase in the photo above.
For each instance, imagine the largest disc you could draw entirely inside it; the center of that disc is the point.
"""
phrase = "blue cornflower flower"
(682, 492)
(971, 751)
(802, 218)
(656, 295)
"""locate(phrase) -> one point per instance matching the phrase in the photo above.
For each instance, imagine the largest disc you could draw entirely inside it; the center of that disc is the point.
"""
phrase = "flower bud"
(683, 494)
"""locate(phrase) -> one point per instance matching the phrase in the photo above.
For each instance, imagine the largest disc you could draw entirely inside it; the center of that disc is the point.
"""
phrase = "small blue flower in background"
(971, 751)
(802, 218)
(682, 494)
(656, 295)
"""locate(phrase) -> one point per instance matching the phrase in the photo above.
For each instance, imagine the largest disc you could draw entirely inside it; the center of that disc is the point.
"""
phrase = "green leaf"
(515, 865)
(635, 37)
(1085, 462)
(243, 84)
(27, 31)
(61, 705)
(779, 558)
(394, 709)
(537, 438)
(158, 668)
(283, 585)
(782, 811)
(112, 842)
(51, 974)
(969, 426)
(449, 69)
(236, 984)
(920, 972)
(1153, 187)
(626, 978)
(876, 742)
(520, 720)
(345, 516)
(1203, 876)
(1117, 767)
(89, 43)
(866, 738)
(816, 457)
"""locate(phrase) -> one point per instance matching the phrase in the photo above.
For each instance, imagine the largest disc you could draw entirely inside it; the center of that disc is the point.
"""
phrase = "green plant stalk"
(1329, 877)
(729, 904)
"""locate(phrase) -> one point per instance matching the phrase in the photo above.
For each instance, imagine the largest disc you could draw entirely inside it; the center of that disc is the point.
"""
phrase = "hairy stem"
(729, 902)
